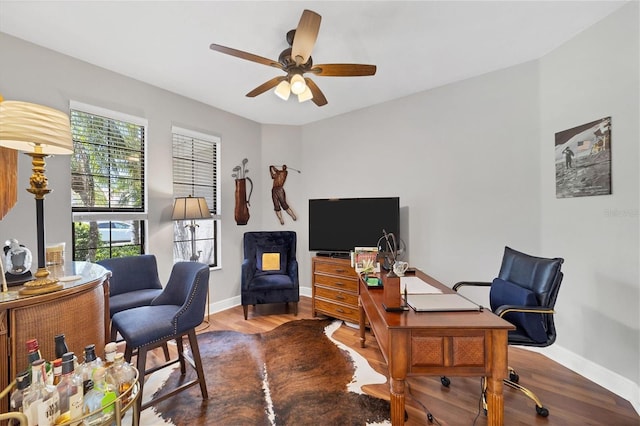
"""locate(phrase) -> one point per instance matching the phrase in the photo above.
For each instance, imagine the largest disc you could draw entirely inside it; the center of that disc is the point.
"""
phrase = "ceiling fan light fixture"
(283, 90)
(305, 95)
(297, 84)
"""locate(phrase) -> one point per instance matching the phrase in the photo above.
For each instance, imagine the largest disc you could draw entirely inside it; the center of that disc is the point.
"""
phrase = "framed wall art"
(583, 160)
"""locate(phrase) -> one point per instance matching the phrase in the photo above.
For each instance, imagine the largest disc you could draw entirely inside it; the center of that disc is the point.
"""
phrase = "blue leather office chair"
(269, 269)
(524, 293)
(175, 313)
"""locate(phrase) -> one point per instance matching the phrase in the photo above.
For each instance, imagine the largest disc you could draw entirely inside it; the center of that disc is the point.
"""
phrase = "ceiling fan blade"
(306, 35)
(265, 86)
(318, 96)
(343, 70)
(244, 55)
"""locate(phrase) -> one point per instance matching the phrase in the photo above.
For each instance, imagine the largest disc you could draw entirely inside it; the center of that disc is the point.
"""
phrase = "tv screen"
(337, 225)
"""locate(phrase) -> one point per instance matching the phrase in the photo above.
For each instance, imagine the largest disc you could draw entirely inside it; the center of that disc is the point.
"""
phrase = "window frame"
(99, 214)
(214, 208)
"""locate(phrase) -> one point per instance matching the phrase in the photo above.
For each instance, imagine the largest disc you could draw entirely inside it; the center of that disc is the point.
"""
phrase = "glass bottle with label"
(99, 400)
(91, 362)
(23, 382)
(57, 371)
(33, 354)
(70, 391)
(122, 376)
(60, 345)
(42, 403)
(109, 353)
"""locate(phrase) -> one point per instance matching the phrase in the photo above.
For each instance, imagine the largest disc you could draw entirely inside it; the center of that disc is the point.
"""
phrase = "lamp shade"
(297, 84)
(306, 95)
(29, 127)
(190, 208)
(283, 90)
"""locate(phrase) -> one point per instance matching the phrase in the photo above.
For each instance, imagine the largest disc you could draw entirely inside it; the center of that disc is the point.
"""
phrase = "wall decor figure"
(583, 160)
(277, 192)
(241, 212)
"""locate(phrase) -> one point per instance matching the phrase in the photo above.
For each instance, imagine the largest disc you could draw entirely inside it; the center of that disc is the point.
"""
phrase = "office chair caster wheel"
(542, 411)
(513, 376)
(445, 381)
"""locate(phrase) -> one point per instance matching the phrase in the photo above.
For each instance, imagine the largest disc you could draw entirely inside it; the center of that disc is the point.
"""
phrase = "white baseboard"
(608, 379)
(224, 304)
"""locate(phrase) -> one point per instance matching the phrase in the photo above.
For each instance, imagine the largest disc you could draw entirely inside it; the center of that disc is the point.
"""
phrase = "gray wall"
(472, 163)
(33, 74)
(593, 76)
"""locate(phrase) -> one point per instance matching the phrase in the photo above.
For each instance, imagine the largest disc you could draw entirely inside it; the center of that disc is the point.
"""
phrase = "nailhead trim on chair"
(175, 322)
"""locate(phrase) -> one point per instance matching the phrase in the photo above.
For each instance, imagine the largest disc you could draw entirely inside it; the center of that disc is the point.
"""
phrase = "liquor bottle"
(122, 376)
(33, 354)
(109, 353)
(23, 381)
(57, 371)
(91, 362)
(99, 401)
(42, 403)
(70, 391)
(33, 350)
(60, 345)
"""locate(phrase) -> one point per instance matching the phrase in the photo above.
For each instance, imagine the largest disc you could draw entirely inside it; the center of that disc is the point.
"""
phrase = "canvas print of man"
(583, 160)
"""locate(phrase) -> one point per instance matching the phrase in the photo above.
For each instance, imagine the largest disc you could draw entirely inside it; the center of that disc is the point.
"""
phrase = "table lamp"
(191, 208)
(39, 131)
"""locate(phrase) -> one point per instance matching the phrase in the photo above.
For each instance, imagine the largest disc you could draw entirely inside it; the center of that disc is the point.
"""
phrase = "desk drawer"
(351, 314)
(336, 269)
(339, 283)
(337, 296)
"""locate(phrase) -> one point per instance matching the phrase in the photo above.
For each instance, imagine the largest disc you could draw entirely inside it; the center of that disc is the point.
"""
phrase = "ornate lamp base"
(42, 284)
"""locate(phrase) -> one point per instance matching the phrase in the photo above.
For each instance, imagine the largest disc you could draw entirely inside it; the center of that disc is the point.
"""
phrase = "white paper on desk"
(415, 285)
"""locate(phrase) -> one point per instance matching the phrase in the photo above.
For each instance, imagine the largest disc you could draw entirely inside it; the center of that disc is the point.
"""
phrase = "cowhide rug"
(295, 374)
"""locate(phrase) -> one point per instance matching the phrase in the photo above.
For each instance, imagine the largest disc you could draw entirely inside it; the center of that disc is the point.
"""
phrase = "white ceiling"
(416, 45)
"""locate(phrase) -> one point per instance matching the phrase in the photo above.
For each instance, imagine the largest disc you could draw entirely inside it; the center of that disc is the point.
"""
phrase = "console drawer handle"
(339, 297)
(340, 310)
(340, 271)
(339, 284)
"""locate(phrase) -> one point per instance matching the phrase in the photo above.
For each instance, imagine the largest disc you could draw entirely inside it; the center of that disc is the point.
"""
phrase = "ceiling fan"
(296, 61)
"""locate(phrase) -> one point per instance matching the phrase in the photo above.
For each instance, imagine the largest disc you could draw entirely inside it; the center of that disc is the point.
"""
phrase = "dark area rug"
(292, 375)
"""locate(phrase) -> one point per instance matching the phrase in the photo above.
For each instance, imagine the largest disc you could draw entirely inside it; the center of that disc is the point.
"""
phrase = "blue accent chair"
(134, 281)
(263, 282)
(524, 293)
(175, 313)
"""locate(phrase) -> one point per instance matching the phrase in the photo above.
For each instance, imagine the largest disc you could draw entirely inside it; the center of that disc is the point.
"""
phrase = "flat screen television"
(337, 225)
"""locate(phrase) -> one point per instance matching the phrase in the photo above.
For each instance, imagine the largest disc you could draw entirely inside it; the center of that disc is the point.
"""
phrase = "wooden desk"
(80, 310)
(437, 343)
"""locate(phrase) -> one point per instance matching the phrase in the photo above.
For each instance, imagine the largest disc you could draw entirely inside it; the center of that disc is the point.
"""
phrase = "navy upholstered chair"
(175, 313)
(269, 269)
(525, 293)
(134, 281)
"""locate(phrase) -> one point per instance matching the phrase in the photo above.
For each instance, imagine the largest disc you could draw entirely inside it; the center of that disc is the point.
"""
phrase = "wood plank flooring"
(570, 398)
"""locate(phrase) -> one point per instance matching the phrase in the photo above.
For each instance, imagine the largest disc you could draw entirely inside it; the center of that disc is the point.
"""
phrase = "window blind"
(195, 164)
(107, 166)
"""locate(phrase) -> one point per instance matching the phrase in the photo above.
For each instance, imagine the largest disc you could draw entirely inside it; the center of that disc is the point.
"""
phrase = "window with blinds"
(195, 173)
(107, 183)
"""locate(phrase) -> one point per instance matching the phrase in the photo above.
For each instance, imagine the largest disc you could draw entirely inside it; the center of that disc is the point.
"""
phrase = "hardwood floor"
(570, 398)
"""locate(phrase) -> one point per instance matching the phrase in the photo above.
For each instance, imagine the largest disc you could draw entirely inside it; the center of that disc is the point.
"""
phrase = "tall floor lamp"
(39, 131)
(192, 208)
